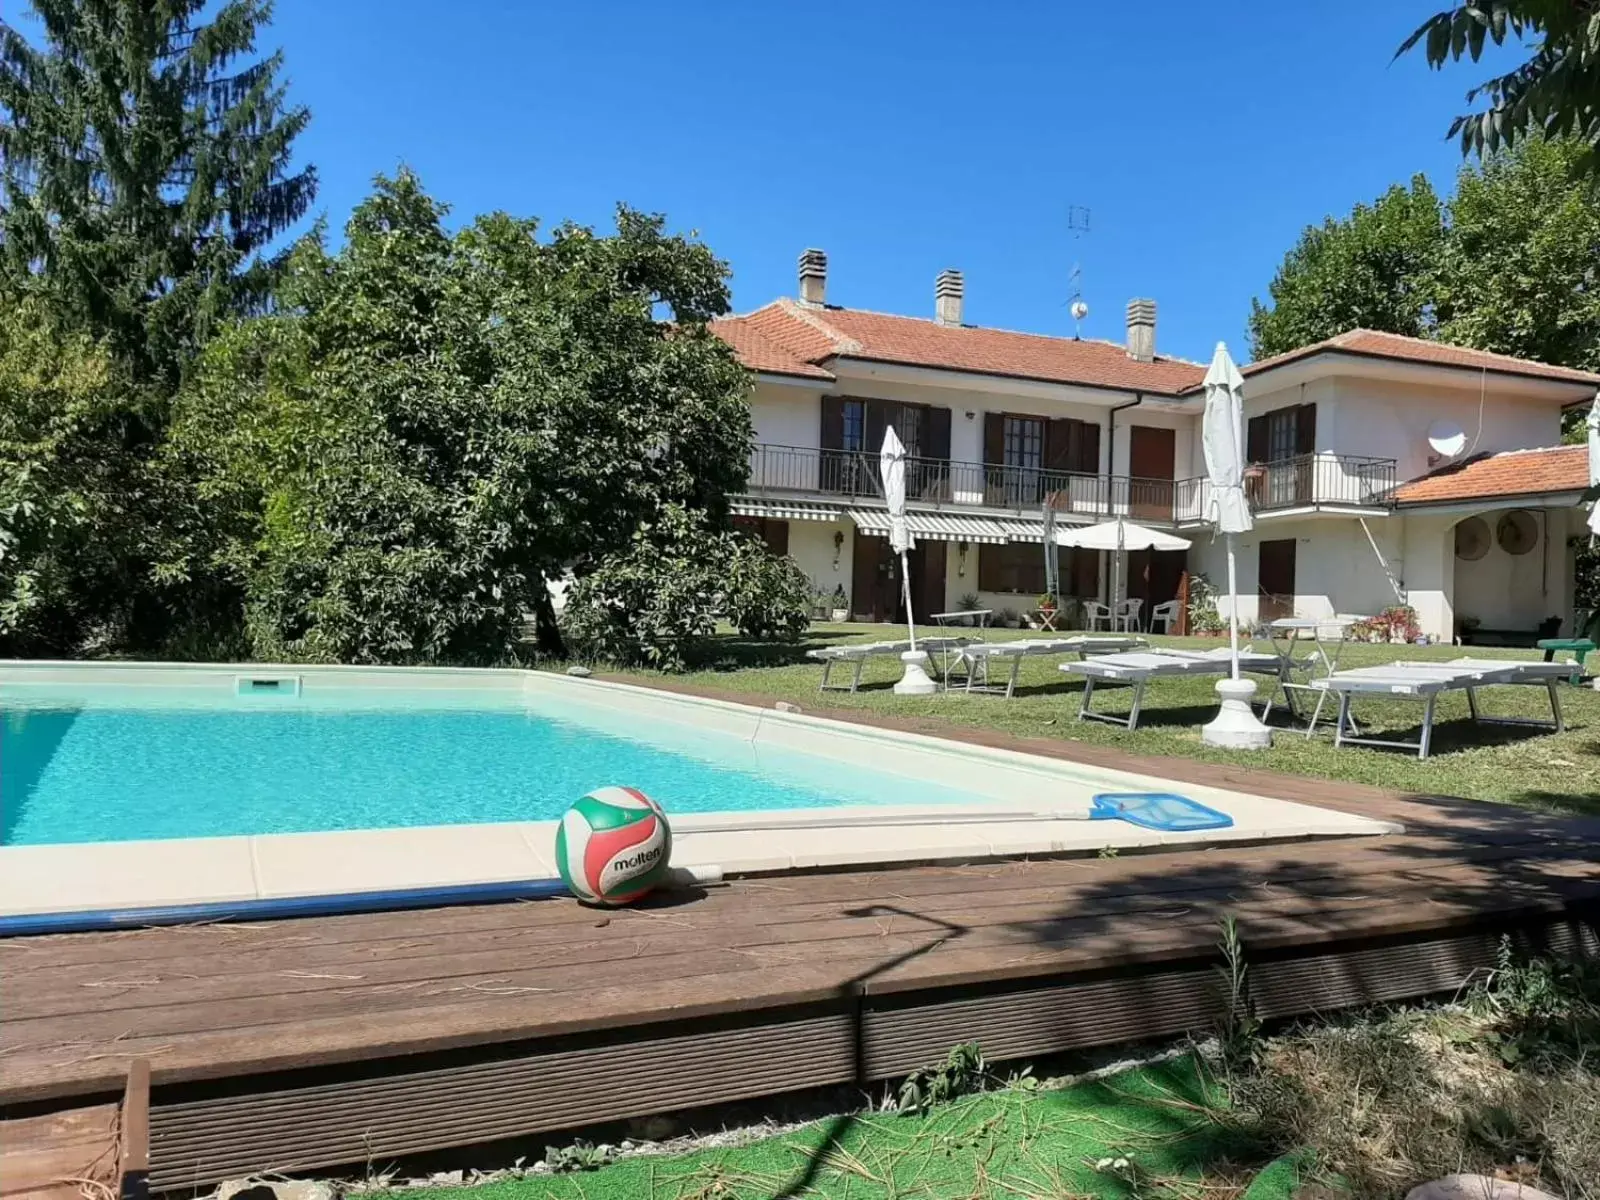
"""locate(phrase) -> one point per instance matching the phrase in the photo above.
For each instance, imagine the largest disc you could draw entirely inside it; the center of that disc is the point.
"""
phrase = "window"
(1014, 567)
(855, 425)
(908, 427)
(1283, 434)
(1024, 442)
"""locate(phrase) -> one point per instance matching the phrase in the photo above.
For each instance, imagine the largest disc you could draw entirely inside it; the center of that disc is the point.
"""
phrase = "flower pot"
(840, 615)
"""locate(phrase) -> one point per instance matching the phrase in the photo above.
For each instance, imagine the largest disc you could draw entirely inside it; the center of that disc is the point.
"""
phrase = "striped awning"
(785, 510)
(935, 527)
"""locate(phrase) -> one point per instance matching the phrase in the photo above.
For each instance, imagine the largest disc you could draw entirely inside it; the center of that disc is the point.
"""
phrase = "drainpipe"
(1111, 476)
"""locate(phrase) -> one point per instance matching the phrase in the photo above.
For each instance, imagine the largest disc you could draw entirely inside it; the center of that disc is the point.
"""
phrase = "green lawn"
(1504, 763)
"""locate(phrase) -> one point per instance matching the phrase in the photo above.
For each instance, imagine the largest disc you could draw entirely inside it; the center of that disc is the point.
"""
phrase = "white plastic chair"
(1094, 612)
(1166, 613)
(1128, 615)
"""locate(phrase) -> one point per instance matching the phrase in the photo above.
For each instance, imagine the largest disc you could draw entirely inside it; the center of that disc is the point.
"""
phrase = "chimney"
(947, 292)
(1142, 330)
(813, 277)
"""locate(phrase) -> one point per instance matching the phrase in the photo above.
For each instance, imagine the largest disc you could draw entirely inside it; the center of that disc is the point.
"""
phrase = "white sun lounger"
(977, 657)
(858, 653)
(1139, 667)
(1425, 681)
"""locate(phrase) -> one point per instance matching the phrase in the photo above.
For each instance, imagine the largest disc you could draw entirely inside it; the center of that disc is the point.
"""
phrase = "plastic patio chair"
(1094, 612)
(1128, 615)
(1166, 613)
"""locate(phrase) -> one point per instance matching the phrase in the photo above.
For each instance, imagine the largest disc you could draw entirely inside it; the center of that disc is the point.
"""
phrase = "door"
(927, 580)
(874, 580)
(1152, 462)
(1275, 579)
(1155, 576)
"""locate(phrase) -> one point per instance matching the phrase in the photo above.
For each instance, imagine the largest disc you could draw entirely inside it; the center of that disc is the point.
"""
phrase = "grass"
(1503, 763)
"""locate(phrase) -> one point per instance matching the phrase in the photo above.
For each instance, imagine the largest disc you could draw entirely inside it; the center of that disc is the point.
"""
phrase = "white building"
(1389, 470)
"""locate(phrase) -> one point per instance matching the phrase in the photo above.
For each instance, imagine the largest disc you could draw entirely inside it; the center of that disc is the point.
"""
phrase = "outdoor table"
(1577, 647)
(1329, 634)
(977, 618)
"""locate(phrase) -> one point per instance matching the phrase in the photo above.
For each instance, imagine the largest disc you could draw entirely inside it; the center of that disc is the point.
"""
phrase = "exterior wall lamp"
(838, 546)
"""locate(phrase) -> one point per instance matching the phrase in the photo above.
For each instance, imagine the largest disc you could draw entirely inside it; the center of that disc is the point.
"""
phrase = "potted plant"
(1047, 603)
(841, 604)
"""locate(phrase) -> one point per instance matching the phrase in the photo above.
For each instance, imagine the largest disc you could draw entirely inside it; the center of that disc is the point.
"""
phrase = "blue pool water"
(105, 773)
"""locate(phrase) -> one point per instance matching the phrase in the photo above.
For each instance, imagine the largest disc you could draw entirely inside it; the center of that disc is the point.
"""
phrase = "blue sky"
(901, 138)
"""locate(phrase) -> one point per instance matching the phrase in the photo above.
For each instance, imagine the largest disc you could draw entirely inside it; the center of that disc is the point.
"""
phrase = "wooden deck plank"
(45, 1157)
(457, 961)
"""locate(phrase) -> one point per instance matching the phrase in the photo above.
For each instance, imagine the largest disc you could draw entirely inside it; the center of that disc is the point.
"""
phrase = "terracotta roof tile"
(814, 335)
(761, 353)
(1512, 473)
(1419, 350)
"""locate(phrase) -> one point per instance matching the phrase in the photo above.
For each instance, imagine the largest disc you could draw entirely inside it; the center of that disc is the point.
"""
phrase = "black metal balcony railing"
(937, 481)
(1291, 483)
(1349, 480)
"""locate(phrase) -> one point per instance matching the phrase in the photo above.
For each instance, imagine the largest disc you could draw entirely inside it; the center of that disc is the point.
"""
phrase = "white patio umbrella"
(1118, 536)
(892, 470)
(1227, 508)
(1594, 465)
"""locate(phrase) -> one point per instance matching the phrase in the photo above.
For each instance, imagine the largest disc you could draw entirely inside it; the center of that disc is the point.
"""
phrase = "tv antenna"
(1077, 225)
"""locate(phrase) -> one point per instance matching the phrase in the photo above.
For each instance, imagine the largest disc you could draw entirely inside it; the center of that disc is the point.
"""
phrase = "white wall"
(1391, 420)
(784, 415)
(1507, 591)
(811, 546)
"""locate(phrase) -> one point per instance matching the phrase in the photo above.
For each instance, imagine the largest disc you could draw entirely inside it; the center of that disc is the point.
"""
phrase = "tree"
(1555, 92)
(144, 169)
(1372, 269)
(392, 464)
(1509, 263)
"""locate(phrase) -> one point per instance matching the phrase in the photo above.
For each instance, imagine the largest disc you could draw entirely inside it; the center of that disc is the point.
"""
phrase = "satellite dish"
(1080, 310)
(1446, 439)
(1472, 539)
(1517, 532)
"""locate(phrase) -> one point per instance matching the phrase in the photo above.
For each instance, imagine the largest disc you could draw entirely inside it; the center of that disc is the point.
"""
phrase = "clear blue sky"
(901, 138)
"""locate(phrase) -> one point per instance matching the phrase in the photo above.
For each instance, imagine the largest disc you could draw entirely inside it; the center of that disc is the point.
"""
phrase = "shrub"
(657, 604)
(1203, 614)
(765, 595)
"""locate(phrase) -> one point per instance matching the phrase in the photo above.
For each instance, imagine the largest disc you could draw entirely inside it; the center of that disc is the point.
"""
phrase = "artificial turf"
(1168, 1122)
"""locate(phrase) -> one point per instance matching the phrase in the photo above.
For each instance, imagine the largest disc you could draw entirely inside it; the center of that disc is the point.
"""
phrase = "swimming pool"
(125, 763)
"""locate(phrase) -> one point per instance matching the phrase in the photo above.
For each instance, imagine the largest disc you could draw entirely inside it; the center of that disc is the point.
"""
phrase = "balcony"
(1305, 482)
(1310, 481)
(939, 483)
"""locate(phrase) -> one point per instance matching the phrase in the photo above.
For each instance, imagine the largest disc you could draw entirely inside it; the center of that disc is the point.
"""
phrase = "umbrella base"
(915, 681)
(1235, 726)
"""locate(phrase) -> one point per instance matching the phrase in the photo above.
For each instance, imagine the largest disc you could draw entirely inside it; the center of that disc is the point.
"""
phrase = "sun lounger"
(1139, 667)
(977, 657)
(1426, 681)
(857, 654)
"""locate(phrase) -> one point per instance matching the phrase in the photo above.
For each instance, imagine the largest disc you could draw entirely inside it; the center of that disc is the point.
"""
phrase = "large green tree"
(1556, 91)
(1509, 263)
(393, 463)
(145, 166)
(145, 169)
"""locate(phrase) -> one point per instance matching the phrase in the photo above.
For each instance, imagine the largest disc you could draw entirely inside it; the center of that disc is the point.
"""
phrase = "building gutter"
(1111, 432)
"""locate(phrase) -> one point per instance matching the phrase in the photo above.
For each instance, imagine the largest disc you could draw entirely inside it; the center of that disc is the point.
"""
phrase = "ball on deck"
(612, 846)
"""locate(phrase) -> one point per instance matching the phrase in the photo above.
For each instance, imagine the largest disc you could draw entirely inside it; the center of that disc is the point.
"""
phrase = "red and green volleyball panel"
(612, 846)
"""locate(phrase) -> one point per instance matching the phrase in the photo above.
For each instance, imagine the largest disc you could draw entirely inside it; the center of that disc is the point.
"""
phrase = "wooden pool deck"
(357, 1039)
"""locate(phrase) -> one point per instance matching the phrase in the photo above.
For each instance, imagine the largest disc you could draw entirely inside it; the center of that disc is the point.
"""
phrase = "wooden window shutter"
(1305, 429)
(989, 568)
(1088, 459)
(994, 439)
(833, 422)
(877, 420)
(1255, 440)
(1084, 573)
(1061, 438)
(936, 433)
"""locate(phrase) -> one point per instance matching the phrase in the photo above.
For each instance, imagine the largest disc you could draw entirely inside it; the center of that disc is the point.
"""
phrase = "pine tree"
(145, 169)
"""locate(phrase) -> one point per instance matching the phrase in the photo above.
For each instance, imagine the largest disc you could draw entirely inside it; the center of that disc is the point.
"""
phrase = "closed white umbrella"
(1227, 508)
(1594, 464)
(892, 470)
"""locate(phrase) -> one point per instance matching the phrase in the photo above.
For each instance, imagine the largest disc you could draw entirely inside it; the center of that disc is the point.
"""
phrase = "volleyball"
(612, 846)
